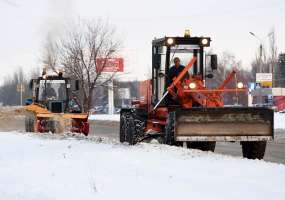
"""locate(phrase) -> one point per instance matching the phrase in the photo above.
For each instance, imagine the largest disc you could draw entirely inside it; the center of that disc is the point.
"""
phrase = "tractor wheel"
(203, 146)
(122, 128)
(253, 149)
(32, 125)
(29, 124)
(27, 128)
(130, 131)
(132, 127)
(169, 129)
(127, 128)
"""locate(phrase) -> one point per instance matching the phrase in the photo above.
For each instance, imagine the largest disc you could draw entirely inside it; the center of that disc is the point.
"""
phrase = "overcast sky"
(25, 24)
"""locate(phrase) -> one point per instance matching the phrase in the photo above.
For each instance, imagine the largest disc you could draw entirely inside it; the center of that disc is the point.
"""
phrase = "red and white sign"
(110, 64)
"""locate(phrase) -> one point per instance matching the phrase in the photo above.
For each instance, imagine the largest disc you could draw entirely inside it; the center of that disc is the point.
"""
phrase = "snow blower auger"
(182, 110)
(53, 108)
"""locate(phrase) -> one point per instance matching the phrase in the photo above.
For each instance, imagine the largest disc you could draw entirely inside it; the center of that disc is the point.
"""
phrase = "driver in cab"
(50, 92)
(175, 70)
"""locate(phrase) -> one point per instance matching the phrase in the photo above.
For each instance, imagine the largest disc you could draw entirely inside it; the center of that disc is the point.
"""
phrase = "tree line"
(84, 41)
(14, 84)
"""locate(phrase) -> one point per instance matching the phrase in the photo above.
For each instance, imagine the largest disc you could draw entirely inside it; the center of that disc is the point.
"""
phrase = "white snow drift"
(33, 168)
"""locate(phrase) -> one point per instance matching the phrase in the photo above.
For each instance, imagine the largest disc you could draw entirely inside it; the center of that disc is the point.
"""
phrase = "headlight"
(187, 33)
(205, 41)
(239, 85)
(170, 41)
(192, 85)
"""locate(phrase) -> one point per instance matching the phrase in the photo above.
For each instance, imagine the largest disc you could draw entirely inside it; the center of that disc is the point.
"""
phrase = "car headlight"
(205, 41)
(240, 85)
(192, 85)
(170, 41)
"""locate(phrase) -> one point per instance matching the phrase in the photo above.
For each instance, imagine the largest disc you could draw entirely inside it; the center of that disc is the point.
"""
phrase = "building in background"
(279, 83)
(279, 73)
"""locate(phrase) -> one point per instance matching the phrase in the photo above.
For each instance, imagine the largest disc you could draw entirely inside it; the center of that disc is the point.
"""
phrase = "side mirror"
(214, 62)
(76, 85)
(28, 102)
(156, 61)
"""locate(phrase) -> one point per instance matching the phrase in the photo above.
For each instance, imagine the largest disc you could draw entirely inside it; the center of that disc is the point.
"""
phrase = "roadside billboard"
(264, 79)
(110, 64)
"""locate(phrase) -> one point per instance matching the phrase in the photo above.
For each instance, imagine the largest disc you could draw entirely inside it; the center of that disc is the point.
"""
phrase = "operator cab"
(164, 50)
(53, 92)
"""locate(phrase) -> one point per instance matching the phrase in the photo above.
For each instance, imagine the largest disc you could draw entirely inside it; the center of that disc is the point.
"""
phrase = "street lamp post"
(260, 51)
(261, 54)
(261, 48)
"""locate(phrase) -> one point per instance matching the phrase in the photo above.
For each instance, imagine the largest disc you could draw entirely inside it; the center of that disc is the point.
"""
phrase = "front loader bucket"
(224, 124)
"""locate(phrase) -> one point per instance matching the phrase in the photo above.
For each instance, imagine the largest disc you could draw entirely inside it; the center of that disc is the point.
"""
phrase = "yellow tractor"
(54, 106)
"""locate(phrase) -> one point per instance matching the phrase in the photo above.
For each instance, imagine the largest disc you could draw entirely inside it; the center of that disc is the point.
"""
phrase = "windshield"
(52, 90)
(185, 53)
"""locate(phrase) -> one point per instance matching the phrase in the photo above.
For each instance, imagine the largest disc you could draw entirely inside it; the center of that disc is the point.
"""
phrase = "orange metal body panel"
(188, 97)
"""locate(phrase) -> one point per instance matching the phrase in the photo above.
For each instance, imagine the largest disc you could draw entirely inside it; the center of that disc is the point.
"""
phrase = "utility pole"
(21, 89)
(261, 49)
(111, 97)
(261, 64)
(260, 58)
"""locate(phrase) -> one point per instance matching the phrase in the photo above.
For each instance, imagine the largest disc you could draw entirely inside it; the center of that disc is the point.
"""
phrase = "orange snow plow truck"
(184, 111)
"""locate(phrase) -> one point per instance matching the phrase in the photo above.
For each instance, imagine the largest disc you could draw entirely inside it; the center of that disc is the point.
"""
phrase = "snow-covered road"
(33, 167)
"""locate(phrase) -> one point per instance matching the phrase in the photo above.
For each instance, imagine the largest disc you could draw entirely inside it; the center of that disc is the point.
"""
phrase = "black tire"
(169, 129)
(132, 126)
(203, 146)
(130, 131)
(27, 128)
(29, 124)
(253, 149)
(122, 130)
(32, 126)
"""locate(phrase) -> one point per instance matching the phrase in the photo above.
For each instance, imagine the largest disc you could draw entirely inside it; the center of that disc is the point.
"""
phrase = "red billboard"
(110, 64)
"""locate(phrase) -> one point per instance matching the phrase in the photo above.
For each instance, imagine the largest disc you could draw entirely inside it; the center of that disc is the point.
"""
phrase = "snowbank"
(41, 168)
(105, 117)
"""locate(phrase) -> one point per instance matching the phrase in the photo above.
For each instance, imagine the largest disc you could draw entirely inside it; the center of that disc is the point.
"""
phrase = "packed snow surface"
(51, 168)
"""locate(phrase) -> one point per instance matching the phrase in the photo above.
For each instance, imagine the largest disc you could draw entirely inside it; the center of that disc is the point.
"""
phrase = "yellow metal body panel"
(75, 115)
(36, 109)
(45, 113)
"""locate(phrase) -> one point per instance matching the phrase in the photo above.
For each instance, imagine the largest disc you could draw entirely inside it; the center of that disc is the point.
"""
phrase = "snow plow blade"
(224, 124)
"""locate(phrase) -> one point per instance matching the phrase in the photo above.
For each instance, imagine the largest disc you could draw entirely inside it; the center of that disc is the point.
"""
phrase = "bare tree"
(228, 62)
(8, 90)
(50, 56)
(83, 44)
